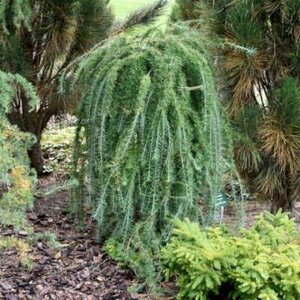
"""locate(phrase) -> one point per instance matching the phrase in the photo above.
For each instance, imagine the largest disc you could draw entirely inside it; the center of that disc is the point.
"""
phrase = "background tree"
(260, 62)
(38, 38)
(187, 10)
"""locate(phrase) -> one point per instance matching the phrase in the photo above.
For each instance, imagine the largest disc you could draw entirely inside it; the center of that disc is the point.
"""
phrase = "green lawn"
(122, 7)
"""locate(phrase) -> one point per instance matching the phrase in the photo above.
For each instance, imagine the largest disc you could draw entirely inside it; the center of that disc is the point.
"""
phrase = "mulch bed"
(78, 270)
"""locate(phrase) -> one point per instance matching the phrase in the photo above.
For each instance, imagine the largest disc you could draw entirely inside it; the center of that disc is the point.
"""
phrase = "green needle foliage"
(259, 68)
(261, 62)
(154, 147)
(16, 178)
(259, 263)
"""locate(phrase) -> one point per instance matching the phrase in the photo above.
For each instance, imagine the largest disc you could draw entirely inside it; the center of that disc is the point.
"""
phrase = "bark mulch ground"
(77, 270)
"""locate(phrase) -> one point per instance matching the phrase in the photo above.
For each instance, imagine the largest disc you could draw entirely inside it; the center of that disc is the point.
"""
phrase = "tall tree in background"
(38, 39)
(260, 57)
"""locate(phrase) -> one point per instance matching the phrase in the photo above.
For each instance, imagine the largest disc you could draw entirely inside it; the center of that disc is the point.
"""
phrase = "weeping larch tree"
(38, 38)
(259, 63)
(150, 138)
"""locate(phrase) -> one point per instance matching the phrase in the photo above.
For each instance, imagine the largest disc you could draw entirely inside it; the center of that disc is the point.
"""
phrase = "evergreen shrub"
(16, 178)
(38, 39)
(258, 59)
(259, 263)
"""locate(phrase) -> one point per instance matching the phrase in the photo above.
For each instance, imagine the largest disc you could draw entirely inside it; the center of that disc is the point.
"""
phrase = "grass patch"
(122, 8)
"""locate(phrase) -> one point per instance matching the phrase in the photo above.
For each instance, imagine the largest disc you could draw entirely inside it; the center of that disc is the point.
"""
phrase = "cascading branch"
(16, 12)
(153, 128)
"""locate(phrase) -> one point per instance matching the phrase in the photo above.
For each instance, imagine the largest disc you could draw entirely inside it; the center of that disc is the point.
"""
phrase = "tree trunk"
(31, 123)
(281, 202)
(36, 157)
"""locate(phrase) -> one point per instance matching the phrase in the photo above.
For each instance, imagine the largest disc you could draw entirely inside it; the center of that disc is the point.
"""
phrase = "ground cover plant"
(259, 263)
(57, 146)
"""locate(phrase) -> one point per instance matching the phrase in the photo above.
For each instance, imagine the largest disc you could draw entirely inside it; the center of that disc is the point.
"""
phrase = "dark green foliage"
(154, 129)
(38, 39)
(259, 69)
(260, 263)
(262, 76)
(9, 85)
(14, 13)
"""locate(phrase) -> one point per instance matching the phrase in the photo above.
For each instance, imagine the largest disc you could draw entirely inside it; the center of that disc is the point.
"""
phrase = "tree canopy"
(38, 39)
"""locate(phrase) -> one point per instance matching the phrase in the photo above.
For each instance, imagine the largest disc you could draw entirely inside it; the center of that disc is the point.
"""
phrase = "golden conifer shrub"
(16, 178)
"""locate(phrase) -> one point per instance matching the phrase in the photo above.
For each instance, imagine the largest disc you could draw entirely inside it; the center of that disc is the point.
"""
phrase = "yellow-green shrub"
(20, 245)
(16, 177)
(260, 263)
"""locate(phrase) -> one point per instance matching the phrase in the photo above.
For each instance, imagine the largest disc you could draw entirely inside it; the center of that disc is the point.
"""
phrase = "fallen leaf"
(57, 255)
(6, 285)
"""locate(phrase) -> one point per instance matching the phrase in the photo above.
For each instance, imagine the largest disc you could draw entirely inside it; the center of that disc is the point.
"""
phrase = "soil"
(77, 270)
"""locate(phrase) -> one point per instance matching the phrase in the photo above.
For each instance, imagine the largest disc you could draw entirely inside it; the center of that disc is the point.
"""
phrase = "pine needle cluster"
(153, 129)
(259, 69)
(261, 63)
(14, 13)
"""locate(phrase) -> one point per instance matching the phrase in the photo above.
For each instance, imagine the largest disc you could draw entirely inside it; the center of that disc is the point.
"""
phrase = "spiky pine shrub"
(261, 62)
(154, 145)
(16, 178)
(259, 67)
(268, 144)
(260, 263)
